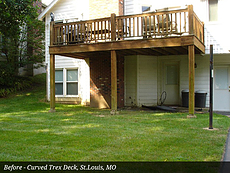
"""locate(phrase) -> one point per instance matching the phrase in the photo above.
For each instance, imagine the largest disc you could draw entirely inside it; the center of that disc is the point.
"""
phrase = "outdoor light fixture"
(52, 16)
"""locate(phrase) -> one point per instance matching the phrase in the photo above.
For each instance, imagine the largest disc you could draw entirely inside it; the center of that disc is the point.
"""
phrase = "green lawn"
(75, 133)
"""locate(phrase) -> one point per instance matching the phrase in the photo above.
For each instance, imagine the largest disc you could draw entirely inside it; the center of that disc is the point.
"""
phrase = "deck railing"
(161, 23)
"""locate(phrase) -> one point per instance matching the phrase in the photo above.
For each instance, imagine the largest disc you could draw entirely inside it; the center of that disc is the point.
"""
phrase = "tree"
(22, 38)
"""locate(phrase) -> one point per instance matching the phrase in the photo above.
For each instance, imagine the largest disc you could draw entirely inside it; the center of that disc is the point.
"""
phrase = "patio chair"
(121, 30)
(147, 29)
(165, 23)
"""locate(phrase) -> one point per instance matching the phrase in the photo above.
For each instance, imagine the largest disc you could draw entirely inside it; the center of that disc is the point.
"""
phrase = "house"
(132, 63)
(76, 89)
(213, 13)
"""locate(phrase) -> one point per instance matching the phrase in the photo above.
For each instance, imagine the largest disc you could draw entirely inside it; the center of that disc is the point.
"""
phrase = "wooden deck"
(155, 33)
(163, 32)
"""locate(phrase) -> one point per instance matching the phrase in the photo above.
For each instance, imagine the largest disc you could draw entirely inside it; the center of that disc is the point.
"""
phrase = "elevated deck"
(162, 32)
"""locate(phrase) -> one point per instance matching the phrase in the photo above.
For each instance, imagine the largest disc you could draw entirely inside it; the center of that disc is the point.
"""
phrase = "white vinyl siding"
(67, 11)
(147, 80)
(145, 83)
(140, 80)
(129, 7)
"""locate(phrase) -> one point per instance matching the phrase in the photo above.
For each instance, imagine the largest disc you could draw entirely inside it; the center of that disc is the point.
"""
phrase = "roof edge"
(42, 15)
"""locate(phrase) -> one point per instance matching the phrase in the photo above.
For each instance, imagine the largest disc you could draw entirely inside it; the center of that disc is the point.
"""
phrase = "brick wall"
(120, 81)
(100, 82)
(121, 7)
(104, 8)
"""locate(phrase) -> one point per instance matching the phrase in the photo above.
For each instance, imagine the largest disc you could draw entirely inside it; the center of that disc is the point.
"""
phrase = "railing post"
(51, 33)
(113, 27)
(203, 32)
(190, 19)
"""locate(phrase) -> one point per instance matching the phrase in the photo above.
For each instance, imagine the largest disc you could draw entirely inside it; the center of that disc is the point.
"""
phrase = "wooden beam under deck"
(84, 49)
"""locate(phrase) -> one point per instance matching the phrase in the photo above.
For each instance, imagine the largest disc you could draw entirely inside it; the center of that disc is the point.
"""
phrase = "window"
(221, 78)
(66, 82)
(145, 8)
(213, 10)
(72, 80)
(59, 82)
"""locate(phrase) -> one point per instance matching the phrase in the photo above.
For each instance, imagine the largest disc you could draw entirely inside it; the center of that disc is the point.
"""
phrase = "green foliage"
(20, 84)
(7, 77)
(21, 39)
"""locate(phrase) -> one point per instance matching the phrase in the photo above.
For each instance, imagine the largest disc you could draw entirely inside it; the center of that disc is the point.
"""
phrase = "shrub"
(20, 84)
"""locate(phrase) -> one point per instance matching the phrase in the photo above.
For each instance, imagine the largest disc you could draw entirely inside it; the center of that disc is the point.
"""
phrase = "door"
(171, 83)
(221, 89)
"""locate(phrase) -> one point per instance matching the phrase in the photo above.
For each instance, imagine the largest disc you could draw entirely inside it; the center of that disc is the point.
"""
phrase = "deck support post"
(52, 70)
(52, 83)
(191, 54)
(113, 82)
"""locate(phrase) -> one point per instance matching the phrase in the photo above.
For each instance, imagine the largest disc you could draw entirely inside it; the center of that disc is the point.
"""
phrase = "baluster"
(185, 29)
(175, 22)
(145, 18)
(105, 30)
(154, 25)
(150, 25)
(98, 29)
(109, 30)
(130, 27)
(158, 27)
(126, 28)
(167, 20)
(94, 34)
(180, 22)
(133, 26)
(138, 33)
(78, 32)
(74, 33)
(71, 34)
(101, 28)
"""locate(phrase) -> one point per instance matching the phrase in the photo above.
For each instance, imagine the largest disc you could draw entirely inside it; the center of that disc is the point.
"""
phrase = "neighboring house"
(72, 79)
(149, 74)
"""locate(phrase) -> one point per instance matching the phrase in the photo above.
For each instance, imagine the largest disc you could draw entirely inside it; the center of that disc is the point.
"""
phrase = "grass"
(76, 133)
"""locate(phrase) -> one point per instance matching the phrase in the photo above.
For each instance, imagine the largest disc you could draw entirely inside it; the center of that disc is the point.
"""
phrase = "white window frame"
(64, 70)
